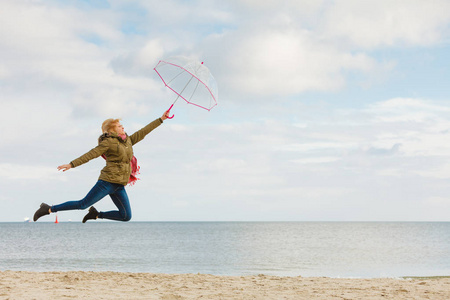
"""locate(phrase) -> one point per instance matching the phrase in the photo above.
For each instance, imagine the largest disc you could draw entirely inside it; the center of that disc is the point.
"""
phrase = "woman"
(115, 146)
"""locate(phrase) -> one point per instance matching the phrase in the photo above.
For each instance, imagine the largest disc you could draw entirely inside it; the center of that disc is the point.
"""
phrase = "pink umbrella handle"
(168, 113)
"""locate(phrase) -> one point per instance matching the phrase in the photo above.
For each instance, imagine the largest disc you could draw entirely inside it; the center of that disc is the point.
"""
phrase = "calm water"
(230, 248)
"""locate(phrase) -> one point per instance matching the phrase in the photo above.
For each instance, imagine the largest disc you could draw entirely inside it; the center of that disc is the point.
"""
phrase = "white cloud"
(26, 172)
(288, 53)
(140, 62)
(438, 201)
(441, 172)
(318, 145)
(315, 160)
(267, 61)
(406, 105)
(373, 24)
(420, 126)
(29, 120)
(60, 57)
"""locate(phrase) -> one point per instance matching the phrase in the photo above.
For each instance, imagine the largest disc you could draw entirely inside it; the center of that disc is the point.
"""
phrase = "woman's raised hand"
(64, 167)
(165, 115)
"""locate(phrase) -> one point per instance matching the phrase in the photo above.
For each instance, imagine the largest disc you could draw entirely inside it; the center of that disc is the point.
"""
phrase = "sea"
(307, 249)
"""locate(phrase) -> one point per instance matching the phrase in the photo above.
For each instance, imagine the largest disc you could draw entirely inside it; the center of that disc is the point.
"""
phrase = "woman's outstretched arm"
(93, 153)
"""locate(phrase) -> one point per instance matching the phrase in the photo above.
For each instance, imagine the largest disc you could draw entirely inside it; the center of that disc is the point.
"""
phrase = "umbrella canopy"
(190, 80)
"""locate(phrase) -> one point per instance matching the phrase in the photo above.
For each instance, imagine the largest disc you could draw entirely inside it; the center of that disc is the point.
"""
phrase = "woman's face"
(119, 129)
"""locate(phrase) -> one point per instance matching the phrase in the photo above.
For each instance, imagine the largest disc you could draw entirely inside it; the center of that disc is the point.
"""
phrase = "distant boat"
(26, 219)
(56, 220)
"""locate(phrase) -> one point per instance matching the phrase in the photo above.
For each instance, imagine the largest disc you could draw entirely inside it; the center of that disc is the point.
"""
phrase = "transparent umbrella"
(190, 80)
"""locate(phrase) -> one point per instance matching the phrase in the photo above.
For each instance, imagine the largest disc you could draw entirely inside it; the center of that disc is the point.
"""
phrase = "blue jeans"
(101, 189)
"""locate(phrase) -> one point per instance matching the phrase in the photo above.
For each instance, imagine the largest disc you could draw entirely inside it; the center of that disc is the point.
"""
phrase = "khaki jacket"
(118, 154)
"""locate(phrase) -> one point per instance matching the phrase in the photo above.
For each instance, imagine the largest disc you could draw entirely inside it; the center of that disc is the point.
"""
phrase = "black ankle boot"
(91, 215)
(42, 211)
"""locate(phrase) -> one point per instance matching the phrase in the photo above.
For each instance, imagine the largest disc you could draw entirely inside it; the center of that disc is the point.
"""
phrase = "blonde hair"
(109, 124)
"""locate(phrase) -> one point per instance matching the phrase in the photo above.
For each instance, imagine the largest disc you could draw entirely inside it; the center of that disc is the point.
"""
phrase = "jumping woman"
(115, 146)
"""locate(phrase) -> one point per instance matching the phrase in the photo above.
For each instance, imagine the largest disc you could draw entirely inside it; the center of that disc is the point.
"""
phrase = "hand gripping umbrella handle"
(168, 113)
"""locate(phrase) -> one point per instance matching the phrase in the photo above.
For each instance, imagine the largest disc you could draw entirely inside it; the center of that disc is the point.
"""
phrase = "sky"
(327, 110)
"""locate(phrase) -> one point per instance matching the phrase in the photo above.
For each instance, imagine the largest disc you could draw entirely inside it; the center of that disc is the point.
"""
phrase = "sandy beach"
(114, 285)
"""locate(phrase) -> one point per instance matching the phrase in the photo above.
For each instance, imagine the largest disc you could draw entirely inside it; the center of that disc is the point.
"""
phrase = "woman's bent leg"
(100, 190)
(120, 199)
